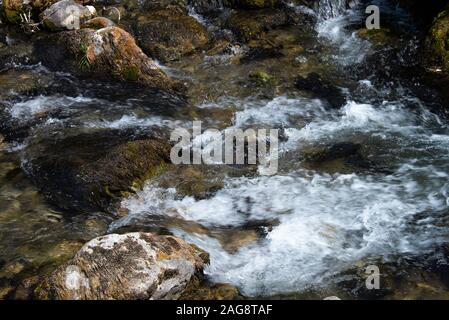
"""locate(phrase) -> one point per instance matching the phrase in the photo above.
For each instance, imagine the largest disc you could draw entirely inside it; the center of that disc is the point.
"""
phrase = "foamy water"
(324, 223)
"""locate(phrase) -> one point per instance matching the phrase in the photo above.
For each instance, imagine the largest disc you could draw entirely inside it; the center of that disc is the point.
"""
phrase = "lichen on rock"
(127, 266)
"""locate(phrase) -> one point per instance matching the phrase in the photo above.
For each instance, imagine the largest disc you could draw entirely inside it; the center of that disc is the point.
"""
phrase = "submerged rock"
(343, 157)
(66, 15)
(262, 78)
(19, 82)
(18, 53)
(169, 34)
(251, 24)
(89, 172)
(322, 89)
(219, 291)
(108, 52)
(128, 266)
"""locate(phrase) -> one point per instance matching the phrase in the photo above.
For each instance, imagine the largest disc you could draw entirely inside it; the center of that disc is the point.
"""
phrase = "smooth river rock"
(128, 266)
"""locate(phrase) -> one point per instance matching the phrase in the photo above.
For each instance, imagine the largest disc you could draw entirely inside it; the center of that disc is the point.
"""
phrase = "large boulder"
(107, 52)
(20, 82)
(128, 266)
(169, 34)
(66, 15)
(83, 172)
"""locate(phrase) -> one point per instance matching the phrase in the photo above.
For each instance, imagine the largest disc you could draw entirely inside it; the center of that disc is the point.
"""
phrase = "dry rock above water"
(128, 266)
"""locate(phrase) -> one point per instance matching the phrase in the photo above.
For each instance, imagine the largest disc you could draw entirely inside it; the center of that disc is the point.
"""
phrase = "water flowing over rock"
(322, 89)
(327, 9)
(128, 266)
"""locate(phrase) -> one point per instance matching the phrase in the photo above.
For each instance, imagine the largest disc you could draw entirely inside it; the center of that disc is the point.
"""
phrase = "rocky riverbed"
(91, 206)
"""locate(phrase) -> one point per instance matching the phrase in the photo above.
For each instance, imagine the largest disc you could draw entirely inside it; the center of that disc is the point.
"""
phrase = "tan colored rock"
(128, 266)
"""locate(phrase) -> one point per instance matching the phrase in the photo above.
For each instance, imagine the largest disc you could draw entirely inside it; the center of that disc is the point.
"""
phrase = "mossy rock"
(169, 34)
(13, 8)
(437, 42)
(249, 25)
(107, 53)
(262, 78)
(93, 171)
(207, 291)
(379, 37)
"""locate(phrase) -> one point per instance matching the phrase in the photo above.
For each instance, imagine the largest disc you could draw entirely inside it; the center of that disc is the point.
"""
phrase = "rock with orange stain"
(108, 53)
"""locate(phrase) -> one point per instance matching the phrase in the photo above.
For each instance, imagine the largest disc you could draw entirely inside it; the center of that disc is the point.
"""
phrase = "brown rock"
(108, 52)
(249, 25)
(169, 34)
(98, 23)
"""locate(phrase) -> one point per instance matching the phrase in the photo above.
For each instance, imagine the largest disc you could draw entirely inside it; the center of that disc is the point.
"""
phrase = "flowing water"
(303, 232)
